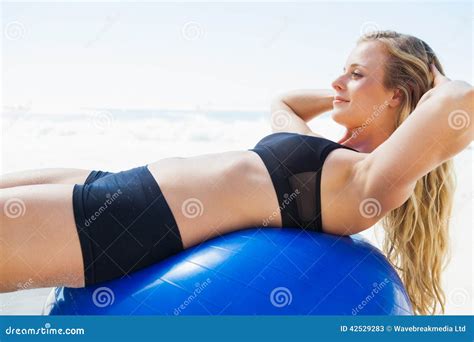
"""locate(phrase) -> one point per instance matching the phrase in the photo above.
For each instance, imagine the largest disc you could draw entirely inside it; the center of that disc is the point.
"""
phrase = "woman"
(80, 227)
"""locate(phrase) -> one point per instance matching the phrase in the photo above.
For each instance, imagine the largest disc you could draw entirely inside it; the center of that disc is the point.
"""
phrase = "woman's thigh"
(44, 176)
(39, 244)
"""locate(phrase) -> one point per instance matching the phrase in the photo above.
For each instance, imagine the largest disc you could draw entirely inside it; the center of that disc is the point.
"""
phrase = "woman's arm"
(292, 110)
(309, 103)
(440, 127)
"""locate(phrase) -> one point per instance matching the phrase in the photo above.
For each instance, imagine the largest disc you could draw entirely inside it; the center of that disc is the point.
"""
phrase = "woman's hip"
(124, 223)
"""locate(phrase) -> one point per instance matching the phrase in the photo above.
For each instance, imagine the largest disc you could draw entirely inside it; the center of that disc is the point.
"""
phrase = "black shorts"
(124, 223)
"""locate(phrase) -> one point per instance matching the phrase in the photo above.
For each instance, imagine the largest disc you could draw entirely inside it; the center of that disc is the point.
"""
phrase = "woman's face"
(361, 85)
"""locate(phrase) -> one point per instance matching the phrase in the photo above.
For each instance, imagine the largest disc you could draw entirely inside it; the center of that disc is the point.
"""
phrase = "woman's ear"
(396, 98)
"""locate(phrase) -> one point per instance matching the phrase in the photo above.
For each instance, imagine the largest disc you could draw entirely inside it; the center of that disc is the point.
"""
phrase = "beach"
(115, 140)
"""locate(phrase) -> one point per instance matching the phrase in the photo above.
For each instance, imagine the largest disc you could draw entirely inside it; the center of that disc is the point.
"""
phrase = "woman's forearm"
(308, 103)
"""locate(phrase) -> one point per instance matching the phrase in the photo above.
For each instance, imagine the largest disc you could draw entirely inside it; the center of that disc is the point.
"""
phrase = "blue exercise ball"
(258, 271)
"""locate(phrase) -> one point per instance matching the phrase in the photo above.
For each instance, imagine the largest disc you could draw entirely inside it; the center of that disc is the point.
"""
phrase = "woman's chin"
(346, 117)
(340, 117)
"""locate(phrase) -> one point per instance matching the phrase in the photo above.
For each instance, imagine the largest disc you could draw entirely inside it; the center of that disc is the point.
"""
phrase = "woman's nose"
(338, 84)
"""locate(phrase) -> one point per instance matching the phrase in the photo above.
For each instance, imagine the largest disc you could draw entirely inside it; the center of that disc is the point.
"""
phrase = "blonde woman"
(405, 121)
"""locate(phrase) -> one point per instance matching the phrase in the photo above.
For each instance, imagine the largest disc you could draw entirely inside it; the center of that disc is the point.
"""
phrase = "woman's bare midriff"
(214, 194)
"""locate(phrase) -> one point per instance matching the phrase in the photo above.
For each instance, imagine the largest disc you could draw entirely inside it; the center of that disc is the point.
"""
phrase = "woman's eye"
(356, 74)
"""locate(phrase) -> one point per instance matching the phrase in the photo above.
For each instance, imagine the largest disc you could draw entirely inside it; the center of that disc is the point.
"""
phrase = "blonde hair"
(416, 233)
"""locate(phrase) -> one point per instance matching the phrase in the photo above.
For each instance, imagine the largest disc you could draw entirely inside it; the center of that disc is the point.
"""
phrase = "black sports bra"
(294, 162)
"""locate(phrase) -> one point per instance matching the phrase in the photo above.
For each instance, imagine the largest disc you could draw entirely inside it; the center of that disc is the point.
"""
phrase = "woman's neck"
(364, 139)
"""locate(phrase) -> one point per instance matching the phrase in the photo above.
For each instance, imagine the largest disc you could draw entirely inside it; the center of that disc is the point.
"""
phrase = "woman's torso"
(213, 194)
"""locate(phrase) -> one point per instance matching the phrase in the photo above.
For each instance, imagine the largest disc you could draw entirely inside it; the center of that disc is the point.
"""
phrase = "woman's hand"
(443, 86)
(308, 103)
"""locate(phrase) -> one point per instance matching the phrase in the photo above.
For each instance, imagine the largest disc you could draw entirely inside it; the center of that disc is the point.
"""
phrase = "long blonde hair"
(416, 233)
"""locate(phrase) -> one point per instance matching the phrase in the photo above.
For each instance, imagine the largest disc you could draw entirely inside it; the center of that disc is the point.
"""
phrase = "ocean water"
(117, 139)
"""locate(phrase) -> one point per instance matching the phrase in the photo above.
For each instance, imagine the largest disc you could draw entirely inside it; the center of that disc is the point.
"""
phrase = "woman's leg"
(44, 176)
(39, 244)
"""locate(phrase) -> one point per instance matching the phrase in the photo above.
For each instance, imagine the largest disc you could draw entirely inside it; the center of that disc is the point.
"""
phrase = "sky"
(64, 57)
(67, 56)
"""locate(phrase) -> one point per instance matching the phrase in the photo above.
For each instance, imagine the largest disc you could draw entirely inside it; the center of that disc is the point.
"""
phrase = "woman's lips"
(339, 99)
